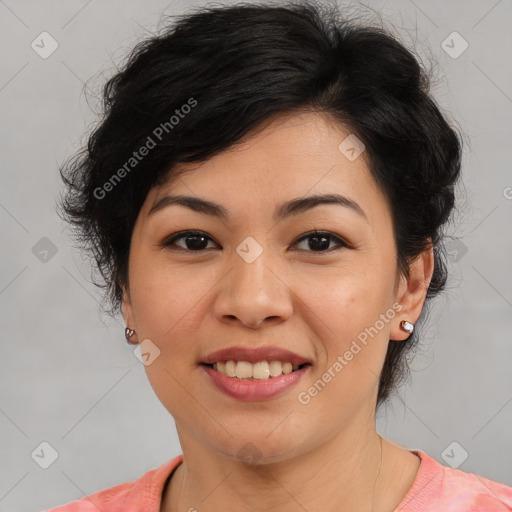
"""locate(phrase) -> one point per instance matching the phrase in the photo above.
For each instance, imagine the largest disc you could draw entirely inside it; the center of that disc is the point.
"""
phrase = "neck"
(340, 470)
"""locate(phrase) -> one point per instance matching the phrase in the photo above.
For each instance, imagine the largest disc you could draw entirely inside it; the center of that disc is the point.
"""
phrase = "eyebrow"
(292, 207)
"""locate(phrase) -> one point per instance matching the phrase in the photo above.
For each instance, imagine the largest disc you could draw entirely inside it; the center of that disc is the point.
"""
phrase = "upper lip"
(254, 355)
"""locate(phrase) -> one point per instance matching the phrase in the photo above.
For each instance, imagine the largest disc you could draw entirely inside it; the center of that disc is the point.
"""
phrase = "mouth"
(255, 373)
(258, 371)
(253, 382)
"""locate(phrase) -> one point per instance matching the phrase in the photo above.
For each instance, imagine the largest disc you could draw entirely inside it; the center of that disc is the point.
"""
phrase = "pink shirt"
(437, 488)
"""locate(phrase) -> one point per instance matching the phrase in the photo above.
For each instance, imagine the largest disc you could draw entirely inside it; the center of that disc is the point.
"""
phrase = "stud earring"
(128, 333)
(407, 326)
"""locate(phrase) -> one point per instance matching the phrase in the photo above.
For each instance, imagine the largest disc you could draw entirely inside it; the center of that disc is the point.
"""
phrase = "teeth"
(262, 370)
(230, 368)
(287, 368)
(275, 368)
(243, 370)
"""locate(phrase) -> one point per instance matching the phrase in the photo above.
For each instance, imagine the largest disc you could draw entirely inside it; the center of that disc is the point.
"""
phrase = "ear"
(412, 292)
(129, 317)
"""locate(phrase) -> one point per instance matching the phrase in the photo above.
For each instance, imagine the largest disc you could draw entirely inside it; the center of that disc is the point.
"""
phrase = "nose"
(255, 293)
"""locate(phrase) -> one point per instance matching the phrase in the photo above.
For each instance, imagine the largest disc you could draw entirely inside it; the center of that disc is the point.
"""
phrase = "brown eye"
(197, 241)
(319, 241)
(193, 241)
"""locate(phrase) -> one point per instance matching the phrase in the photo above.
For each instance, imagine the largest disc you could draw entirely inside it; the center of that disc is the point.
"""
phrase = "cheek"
(167, 305)
(345, 299)
(353, 345)
(167, 299)
(344, 310)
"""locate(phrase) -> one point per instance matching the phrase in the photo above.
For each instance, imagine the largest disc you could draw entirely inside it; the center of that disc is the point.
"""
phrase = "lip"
(254, 390)
(254, 355)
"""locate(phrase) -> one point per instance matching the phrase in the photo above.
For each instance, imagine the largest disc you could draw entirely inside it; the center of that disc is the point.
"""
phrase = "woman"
(265, 198)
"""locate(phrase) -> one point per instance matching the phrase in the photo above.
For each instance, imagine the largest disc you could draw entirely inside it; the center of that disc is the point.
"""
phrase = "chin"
(259, 449)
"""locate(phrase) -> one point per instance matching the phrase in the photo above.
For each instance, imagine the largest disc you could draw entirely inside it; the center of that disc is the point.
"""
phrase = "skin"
(312, 301)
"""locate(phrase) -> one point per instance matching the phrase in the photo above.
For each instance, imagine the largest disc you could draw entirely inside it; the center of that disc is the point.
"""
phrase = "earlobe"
(129, 318)
(412, 292)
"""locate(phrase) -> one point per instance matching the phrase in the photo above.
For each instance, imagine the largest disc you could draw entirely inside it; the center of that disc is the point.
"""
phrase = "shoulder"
(142, 495)
(438, 487)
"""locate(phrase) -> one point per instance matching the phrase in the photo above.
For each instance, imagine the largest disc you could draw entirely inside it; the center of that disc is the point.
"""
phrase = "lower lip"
(254, 390)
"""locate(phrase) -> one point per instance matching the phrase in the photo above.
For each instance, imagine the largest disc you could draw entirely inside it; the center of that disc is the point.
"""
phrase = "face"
(256, 279)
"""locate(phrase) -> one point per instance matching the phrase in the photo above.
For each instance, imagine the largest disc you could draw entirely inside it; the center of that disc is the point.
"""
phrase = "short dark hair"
(218, 72)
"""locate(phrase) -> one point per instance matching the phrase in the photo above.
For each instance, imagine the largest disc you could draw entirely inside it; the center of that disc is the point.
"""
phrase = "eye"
(194, 240)
(197, 241)
(320, 240)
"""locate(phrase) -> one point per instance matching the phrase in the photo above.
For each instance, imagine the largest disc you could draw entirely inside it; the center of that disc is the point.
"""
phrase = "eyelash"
(170, 241)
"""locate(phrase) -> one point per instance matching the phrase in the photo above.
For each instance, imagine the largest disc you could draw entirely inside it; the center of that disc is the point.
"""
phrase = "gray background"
(67, 375)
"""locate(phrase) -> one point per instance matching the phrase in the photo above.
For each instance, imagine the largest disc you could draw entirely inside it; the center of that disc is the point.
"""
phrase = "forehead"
(288, 156)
